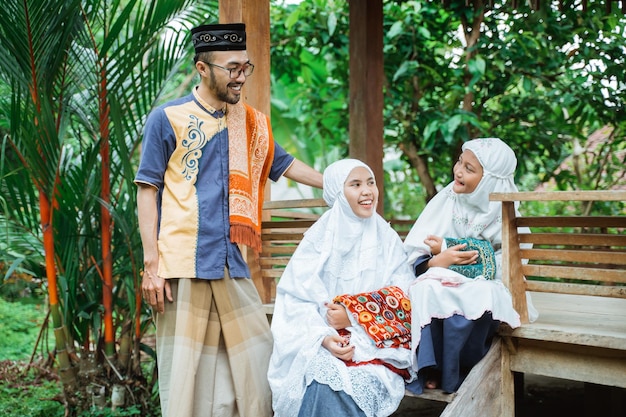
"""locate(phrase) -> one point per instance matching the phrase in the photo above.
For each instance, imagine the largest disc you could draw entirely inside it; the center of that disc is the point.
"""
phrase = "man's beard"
(222, 93)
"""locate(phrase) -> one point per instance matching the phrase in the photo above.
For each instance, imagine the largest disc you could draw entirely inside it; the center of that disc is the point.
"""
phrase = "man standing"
(206, 158)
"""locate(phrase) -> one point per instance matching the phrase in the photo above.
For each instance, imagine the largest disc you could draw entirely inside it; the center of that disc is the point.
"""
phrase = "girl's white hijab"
(353, 239)
(450, 214)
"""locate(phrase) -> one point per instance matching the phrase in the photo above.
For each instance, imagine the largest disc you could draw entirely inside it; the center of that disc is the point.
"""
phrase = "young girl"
(324, 363)
(454, 316)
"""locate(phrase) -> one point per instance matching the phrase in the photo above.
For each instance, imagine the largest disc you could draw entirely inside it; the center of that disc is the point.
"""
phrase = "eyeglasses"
(247, 69)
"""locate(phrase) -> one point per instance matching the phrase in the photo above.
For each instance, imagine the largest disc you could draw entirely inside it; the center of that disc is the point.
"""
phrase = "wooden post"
(256, 15)
(512, 275)
(366, 86)
(256, 92)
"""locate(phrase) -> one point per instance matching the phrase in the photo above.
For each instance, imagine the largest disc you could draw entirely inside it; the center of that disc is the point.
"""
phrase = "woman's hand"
(454, 255)
(339, 347)
(434, 243)
(336, 316)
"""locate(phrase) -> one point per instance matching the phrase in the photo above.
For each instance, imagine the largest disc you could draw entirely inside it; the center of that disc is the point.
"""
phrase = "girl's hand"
(434, 243)
(339, 347)
(336, 316)
(454, 255)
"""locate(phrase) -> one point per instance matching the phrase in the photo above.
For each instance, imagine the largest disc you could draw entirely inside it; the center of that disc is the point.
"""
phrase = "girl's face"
(467, 173)
(361, 192)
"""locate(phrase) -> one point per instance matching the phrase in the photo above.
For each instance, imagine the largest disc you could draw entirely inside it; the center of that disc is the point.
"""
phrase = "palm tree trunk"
(66, 371)
(105, 195)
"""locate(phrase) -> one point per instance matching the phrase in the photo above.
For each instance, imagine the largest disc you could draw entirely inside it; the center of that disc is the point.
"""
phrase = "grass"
(23, 393)
(35, 391)
(20, 323)
(28, 395)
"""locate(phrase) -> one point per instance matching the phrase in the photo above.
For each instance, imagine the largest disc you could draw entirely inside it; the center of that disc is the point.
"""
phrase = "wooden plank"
(586, 195)
(561, 361)
(275, 215)
(272, 273)
(507, 393)
(582, 239)
(297, 237)
(304, 203)
(512, 262)
(278, 250)
(276, 260)
(596, 274)
(576, 319)
(480, 394)
(576, 289)
(300, 225)
(572, 221)
(576, 255)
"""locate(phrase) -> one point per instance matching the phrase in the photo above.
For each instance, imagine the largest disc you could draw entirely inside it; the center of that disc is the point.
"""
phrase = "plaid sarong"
(213, 350)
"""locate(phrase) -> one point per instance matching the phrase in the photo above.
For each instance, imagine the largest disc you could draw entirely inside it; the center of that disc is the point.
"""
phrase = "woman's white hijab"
(450, 214)
(340, 254)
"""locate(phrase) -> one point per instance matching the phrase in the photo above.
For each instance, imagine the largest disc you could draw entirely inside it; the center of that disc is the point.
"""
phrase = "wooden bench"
(283, 228)
(576, 275)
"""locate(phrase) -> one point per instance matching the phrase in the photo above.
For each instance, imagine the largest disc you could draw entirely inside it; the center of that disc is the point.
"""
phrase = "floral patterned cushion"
(385, 315)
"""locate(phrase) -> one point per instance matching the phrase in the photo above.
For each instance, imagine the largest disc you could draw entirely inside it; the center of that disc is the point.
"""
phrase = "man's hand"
(336, 316)
(339, 347)
(153, 289)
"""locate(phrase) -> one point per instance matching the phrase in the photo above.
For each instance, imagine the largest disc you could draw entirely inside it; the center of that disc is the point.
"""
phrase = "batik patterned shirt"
(185, 157)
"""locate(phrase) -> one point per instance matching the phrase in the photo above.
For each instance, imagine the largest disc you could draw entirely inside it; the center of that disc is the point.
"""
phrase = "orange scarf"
(250, 156)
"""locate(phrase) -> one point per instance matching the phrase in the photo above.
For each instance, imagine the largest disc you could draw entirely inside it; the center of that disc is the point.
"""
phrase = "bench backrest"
(580, 254)
(284, 224)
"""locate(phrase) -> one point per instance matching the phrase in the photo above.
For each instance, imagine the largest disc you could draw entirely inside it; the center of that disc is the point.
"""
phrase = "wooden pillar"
(366, 86)
(256, 15)
(256, 92)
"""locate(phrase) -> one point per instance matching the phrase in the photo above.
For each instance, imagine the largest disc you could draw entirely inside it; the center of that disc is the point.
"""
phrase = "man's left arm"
(304, 174)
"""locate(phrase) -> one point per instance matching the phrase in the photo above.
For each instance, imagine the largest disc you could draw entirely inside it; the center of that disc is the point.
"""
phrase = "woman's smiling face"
(361, 192)
(467, 173)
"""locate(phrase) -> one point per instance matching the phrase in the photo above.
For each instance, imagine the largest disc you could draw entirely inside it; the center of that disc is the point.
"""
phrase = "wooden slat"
(274, 260)
(576, 289)
(304, 203)
(277, 250)
(582, 239)
(583, 274)
(572, 221)
(587, 195)
(292, 214)
(282, 236)
(267, 227)
(576, 255)
(512, 262)
(578, 319)
(271, 273)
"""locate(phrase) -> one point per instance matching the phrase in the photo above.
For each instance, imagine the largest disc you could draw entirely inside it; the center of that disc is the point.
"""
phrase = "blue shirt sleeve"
(421, 264)
(282, 161)
(159, 142)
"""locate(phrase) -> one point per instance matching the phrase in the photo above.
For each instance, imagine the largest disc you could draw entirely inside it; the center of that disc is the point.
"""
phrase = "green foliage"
(71, 129)
(20, 324)
(309, 48)
(33, 399)
(107, 412)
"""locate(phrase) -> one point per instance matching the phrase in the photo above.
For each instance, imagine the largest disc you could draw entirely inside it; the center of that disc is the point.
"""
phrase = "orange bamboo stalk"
(105, 194)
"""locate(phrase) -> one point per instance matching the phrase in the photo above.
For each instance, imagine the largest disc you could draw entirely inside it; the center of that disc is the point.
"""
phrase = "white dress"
(340, 254)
